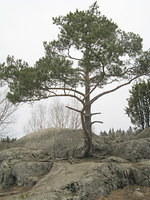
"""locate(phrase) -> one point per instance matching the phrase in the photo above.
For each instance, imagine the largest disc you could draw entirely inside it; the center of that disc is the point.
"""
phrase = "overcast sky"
(25, 24)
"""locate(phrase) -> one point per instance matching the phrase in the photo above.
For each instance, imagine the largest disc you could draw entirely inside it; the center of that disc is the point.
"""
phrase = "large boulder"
(132, 150)
(22, 167)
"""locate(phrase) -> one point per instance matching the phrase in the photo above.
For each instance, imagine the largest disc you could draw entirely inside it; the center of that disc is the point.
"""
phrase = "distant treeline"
(8, 139)
(112, 133)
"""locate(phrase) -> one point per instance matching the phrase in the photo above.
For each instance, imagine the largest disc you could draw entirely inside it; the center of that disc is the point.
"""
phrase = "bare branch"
(92, 90)
(68, 95)
(96, 85)
(112, 90)
(78, 59)
(104, 74)
(54, 95)
(87, 115)
(67, 89)
(98, 113)
(74, 109)
(94, 122)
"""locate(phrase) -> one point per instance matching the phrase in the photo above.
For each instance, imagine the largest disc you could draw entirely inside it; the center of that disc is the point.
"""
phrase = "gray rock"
(6, 177)
(19, 166)
(30, 164)
(60, 143)
(63, 143)
(133, 150)
(143, 134)
(137, 195)
(27, 173)
(86, 180)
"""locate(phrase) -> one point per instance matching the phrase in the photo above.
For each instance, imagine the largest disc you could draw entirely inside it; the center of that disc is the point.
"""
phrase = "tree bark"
(86, 119)
(88, 139)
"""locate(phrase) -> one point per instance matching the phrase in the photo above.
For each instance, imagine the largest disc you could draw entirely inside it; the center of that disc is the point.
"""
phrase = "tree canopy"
(90, 52)
(139, 104)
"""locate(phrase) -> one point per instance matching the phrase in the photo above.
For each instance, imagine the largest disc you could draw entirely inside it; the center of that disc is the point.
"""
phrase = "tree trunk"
(86, 119)
(88, 139)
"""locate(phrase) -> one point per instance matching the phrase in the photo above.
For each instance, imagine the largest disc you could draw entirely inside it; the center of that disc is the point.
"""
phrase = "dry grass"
(46, 138)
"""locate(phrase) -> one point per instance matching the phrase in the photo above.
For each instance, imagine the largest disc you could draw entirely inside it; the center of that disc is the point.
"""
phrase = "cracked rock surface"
(65, 174)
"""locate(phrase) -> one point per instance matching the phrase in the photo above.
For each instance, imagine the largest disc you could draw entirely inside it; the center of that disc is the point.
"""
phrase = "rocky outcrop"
(87, 180)
(63, 143)
(53, 164)
(133, 150)
(32, 156)
(60, 143)
(22, 167)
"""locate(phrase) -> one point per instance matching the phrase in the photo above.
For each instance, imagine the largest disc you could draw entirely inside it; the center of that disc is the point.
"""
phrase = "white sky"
(25, 24)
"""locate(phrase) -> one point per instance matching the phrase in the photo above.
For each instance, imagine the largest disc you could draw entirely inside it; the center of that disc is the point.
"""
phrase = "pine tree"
(90, 52)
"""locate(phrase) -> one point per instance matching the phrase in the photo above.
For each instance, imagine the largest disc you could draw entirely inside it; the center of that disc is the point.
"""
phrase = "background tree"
(38, 119)
(7, 110)
(52, 115)
(139, 104)
(61, 117)
(90, 52)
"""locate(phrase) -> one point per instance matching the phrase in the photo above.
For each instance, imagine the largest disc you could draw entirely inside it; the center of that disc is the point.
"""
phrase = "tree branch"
(49, 96)
(78, 59)
(61, 88)
(114, 89)
(94, 122)
(74, 109)
(96, 85)
(98, 113)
